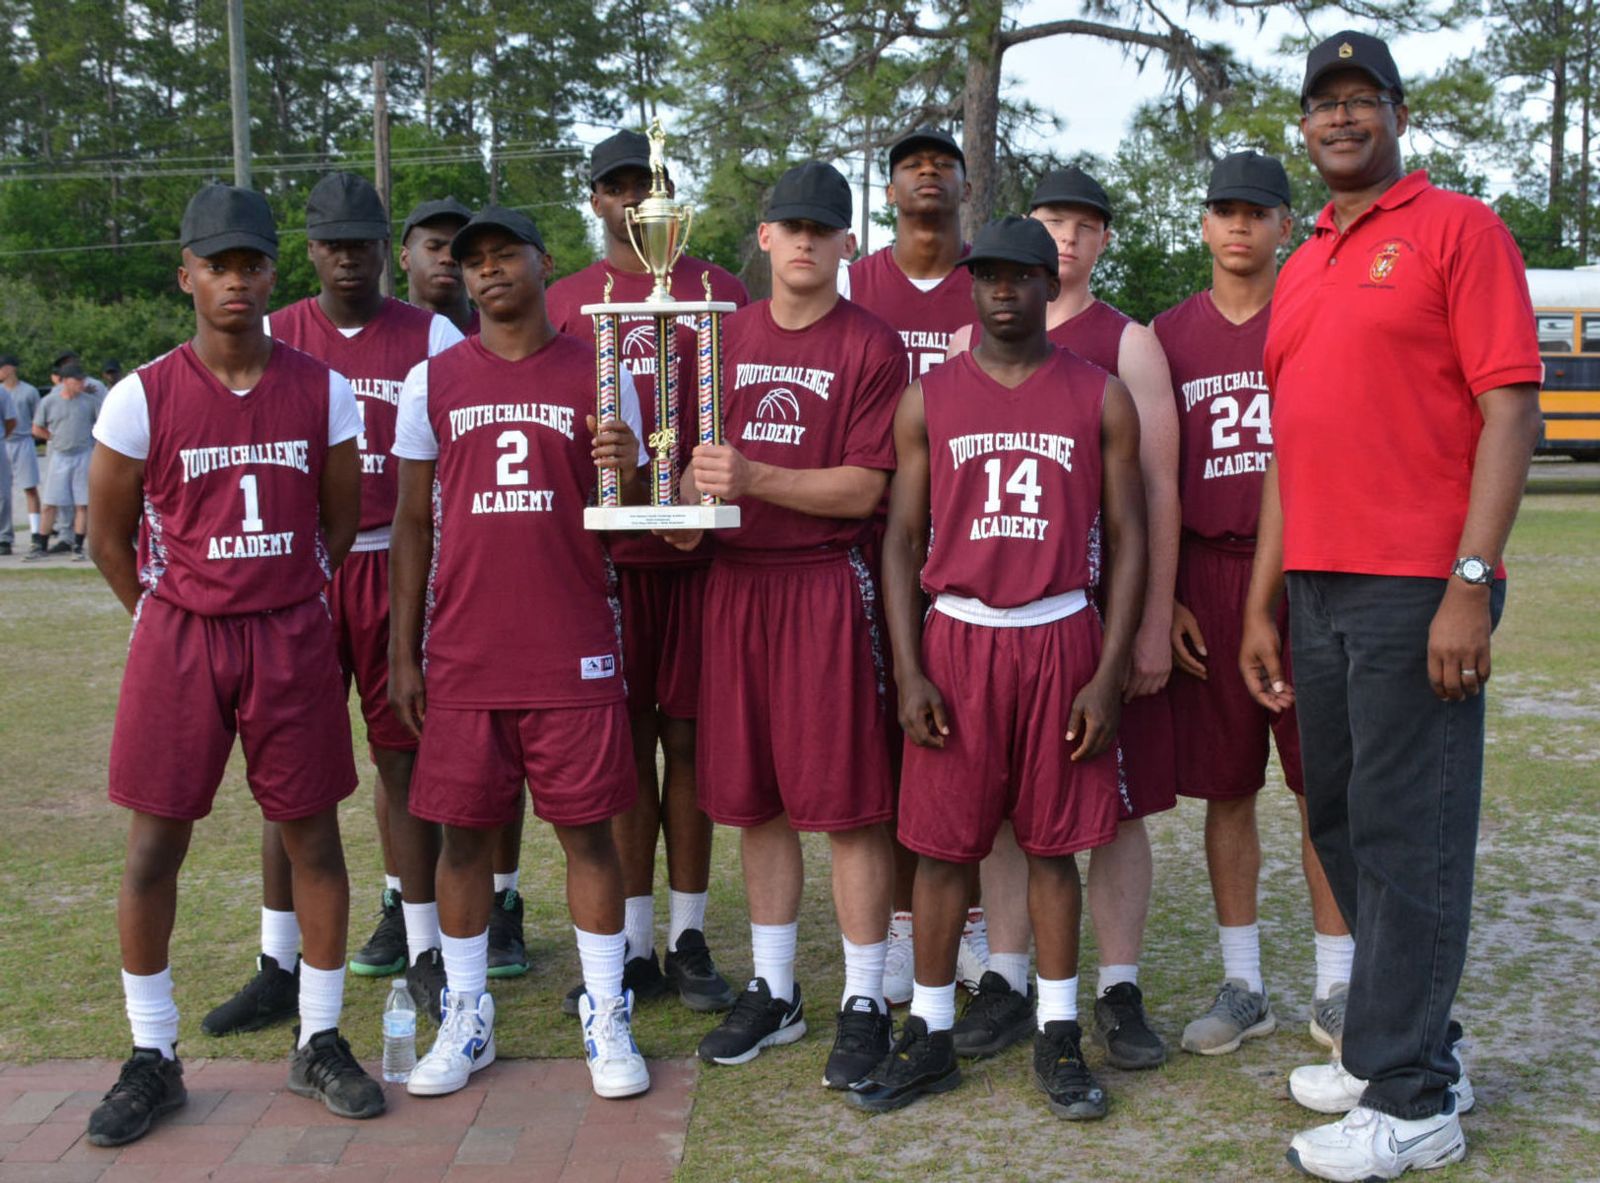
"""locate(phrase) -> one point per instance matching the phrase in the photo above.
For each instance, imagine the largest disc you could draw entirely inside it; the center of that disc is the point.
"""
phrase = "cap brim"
(639, 162)
(905, 147)
(232, 240)
(1262, 197)
(348, 232)
(1001, 255)
(800, 211)
(464, 236)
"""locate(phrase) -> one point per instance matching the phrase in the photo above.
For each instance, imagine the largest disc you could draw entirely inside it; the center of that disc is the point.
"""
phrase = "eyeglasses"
(1359, 106)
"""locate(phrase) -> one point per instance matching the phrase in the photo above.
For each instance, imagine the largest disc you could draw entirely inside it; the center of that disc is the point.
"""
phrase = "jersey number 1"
(252, 505)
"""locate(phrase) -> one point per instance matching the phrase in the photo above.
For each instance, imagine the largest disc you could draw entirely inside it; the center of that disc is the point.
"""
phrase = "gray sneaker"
(1327, 1018)
(1238, 1014)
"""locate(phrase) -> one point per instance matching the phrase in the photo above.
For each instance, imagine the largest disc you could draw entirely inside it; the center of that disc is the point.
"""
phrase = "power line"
(473, 157)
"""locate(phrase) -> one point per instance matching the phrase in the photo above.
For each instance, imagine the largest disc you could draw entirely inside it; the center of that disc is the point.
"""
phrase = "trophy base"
(661, 517)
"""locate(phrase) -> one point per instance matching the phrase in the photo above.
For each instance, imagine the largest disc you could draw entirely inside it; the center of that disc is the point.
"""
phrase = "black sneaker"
(326, 1069)
(149, 1086)
(384, 954)
(425, 979)
(860, 1042)
(508, 951)
(757, 1020)
(272, 996)
(1059, 1070)
(35, 553)
(5, 548)
(60, 547)
(995, 1017)
(690, 969)
(1120, 1027)
(920, 1062)
(642, 975)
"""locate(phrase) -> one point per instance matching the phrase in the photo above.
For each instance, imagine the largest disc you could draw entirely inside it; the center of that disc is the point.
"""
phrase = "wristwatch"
(1472, 569)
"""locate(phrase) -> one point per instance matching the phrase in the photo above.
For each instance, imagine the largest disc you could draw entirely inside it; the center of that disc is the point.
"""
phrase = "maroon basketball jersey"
(232, 485)
(819, 397)
(924, 320)
(637, 348)
(520, 613)
(1224, 415)
(1095, 334)
(376, 360)
(1013, 480)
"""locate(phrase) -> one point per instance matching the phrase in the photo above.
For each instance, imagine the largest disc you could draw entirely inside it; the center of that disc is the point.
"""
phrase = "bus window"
(1555, 332)
(1591, 335)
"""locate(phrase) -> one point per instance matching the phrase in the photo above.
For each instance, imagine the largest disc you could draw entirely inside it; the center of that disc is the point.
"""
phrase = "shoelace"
(1124, 1007)
(332, 1059)
(1330, 1015)
(748, 1010)
(857, 1031)
(606, 1030)
(696, 959)
(140, 1078)
(986, 1005)
(1236, 1005)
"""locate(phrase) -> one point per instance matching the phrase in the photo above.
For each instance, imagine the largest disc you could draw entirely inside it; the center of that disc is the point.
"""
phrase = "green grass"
(1526, 1000)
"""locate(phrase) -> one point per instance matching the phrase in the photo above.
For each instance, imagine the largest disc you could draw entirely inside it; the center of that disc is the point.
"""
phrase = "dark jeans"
(1393, 781)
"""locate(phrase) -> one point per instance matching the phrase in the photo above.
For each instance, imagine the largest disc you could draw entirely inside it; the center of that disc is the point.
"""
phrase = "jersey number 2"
(513, 447)
(1024, 482)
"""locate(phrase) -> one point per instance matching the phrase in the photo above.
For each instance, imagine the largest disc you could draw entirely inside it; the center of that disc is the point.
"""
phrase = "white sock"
(863, 971)
(506, 882)
(772, 954)
(688, 911)
(639, 925)
(466, 964)
(977, 933)
(601, 955)
(422, 928)
(33, 523)
(152, 1013)
(391, 882)
(1058, 999)
(1334, 958)
(280, 937)
(1013, 967)
(934, 1005)
(321, 999)
(1115, 975)
(900, 926)
(1241, 953)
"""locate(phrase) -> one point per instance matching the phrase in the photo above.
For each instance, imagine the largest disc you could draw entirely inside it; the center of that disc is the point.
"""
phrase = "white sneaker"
(465, 1043)
(1365, 1144)
(615, 1065)
(1328, 1088)
(899, 963)
(972, 956)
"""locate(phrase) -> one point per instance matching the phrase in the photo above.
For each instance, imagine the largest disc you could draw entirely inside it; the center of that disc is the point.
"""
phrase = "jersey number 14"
(1023, 482)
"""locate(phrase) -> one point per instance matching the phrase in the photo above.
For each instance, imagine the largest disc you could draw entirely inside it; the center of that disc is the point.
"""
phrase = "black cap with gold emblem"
(1353, 51)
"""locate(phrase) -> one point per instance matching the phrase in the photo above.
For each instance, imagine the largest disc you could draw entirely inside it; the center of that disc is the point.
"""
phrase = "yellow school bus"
(1567, 307)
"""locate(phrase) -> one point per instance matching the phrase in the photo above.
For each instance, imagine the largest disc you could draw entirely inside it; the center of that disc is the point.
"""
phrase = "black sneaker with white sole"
(1121, 1028)
(272, 996)
(919, 1063)
(757, 1020)
(690, 970)
(860, 1041)
(150, 1085)
(384, 954)
(326, 1069)
(642, 975)
(995, 1017)
(1059, 1071)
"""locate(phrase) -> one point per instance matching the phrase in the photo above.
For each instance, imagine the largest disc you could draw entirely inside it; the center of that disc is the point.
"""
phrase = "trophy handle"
(687, 223)
(630, 219)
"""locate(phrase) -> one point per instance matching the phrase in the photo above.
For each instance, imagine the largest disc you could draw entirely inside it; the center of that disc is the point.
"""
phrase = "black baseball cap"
(1070, 186)
(1249, 176)
(63, 358)
(924, 136)
(626, 149)
(9, 359)
(815, 192)
(497, 217)
(111, 366)
(441, 210)
(1013, 239)
(345, 208)
(71, 370)
(224, 218)
(1353, 51)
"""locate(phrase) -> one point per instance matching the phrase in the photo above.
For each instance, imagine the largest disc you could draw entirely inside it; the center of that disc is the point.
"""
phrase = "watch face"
(1474, 570)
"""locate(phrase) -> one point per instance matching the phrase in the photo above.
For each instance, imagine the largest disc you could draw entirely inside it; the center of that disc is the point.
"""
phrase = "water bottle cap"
(400, 984)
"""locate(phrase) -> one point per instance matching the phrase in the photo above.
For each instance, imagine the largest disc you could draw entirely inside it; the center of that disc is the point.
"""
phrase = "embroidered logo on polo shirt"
(1384, 261)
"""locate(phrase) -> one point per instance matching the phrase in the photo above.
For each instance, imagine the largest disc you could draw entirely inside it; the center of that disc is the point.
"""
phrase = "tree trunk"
(980, 114)
(1558, 124)
(1586, 132)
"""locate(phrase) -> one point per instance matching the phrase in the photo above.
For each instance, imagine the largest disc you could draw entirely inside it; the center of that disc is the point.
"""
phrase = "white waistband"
(1050, 608)
(371, 540)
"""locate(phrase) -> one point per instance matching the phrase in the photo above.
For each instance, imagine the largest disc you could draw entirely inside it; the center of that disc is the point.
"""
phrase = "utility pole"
(239, 94)
(380, 156)
(866, 193)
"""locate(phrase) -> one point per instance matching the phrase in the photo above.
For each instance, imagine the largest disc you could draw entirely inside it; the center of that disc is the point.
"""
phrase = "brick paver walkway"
(528, 1121)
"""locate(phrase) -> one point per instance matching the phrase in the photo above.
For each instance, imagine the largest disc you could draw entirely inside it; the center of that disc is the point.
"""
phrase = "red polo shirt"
(1382, 338)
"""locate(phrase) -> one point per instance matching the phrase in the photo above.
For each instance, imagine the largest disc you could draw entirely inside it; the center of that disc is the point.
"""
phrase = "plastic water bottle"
(399, 1033)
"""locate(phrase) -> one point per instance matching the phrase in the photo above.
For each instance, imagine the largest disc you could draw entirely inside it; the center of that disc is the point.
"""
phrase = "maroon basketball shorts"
(360, 598)
(661, 614)
(792, 700)
(194, 682)
(1008, 693)
(576, 761)
(1149, 763)
(1221, 732)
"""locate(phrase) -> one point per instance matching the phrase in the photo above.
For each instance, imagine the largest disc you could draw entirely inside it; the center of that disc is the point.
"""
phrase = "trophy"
(658, 227)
